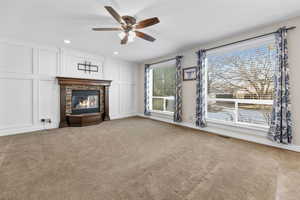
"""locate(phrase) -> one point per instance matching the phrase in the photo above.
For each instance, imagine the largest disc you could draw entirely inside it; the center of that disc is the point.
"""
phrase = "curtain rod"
(251, 38)
(162, 61)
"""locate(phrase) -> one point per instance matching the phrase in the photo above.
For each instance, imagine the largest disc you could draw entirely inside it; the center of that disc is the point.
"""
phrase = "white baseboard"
(123, 116)
(26, 129)
(219, 131)
(32, 128)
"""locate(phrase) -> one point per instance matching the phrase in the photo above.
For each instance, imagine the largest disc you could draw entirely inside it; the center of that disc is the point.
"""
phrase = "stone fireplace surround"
(67, 85)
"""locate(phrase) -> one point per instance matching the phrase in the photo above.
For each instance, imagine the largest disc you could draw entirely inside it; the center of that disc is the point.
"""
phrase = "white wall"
(29, 89)
(123, 91)
(190, 59)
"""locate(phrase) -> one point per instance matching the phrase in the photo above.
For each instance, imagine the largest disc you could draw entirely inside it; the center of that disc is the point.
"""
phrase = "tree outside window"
(246, 77)
(163, 88)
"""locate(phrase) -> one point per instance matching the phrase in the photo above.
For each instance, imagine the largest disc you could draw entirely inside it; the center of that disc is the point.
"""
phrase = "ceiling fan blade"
(114, 14)
(107, 29)
(125, 39)
(147, 22)
(145, 36)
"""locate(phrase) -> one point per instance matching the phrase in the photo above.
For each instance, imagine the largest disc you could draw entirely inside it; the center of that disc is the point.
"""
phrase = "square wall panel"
(16, 58)
(114, 99)
(112, 70)
(127, 98)
(48, 100)
(127, 73)
(48, 61)
(16, 103)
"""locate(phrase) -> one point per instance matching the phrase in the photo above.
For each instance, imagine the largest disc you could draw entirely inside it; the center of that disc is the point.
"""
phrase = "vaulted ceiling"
(184, 23)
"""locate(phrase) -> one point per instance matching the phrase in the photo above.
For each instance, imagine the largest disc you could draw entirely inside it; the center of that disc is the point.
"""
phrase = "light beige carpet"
(137, 158)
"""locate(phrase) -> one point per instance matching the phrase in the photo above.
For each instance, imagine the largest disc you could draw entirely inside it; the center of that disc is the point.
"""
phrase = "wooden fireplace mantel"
(67, 119)
(80, 81)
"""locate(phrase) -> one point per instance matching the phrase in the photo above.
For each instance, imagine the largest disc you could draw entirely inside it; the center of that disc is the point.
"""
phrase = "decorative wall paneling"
(29, 91)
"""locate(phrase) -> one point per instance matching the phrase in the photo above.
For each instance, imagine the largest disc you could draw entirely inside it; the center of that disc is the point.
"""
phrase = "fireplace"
(85, 101)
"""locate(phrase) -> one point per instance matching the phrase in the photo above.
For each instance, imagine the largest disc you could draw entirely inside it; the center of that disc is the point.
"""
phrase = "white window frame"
(164, 104)
(165, 112)
(236, 123)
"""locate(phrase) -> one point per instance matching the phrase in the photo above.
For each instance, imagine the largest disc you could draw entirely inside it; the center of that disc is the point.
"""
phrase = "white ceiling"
(184, 23)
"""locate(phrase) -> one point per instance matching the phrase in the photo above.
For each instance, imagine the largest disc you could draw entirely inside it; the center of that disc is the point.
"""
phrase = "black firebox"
(85, 101)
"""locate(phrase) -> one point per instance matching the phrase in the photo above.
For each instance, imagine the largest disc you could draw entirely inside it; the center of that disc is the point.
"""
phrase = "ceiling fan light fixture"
(131, 36)
(121, 35)
(130, 39)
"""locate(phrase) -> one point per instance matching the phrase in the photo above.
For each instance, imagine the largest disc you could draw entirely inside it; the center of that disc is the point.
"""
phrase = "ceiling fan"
(129, 26)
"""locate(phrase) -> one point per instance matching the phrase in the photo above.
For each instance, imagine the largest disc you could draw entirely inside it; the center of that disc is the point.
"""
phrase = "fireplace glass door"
(85, 101)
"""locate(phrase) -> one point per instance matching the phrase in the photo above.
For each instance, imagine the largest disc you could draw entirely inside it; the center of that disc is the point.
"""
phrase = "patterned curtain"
(281, 126)
(178, 94)
(147, 90)
(200, 101)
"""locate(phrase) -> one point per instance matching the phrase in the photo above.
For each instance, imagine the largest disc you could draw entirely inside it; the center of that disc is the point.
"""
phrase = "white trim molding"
(226, 131)
(28, 129)
(122, 116)
(53, 125)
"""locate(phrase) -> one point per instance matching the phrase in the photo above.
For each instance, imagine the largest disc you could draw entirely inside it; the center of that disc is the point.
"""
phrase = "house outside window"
(162, 87)
(240, 83)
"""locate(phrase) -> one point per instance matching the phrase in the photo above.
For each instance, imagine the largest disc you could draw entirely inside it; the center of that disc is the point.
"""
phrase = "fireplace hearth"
(83, 101)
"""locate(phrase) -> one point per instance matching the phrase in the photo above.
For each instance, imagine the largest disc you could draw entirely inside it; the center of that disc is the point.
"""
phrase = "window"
(162, 88)
(239, 83)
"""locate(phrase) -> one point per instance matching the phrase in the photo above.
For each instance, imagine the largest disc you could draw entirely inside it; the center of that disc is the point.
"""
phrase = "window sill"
(162, 114)
(253, 130)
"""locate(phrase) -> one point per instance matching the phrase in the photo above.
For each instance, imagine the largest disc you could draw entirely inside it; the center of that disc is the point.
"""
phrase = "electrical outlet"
(46, 121)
